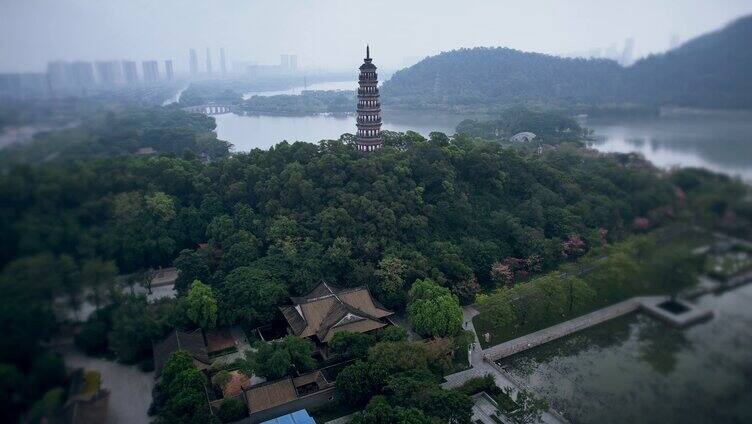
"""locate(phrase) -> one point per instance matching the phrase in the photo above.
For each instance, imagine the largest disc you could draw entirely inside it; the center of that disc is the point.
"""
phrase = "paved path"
(560, 330)
(130, 389)
(481, 366)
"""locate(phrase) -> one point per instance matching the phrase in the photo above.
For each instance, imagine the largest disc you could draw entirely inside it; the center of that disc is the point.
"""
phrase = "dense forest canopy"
(549, 127)
(710, 71)
(308, 102)
(259, 226)
(122, 131)
(467, 78)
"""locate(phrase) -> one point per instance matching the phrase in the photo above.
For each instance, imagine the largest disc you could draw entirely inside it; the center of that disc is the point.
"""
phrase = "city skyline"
(324, 39)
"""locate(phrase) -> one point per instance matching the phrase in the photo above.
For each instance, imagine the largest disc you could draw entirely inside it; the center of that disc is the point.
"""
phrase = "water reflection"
(635, 369)
(294, 91)
(721, 142)
(247, 132)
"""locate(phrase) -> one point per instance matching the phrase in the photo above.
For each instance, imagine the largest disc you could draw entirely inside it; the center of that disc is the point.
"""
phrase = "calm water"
(246, 132)
(721, 142)
(638, 370)
(323, 86)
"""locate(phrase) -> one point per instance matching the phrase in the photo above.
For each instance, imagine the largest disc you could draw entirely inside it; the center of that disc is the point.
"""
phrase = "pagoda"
(369, 107)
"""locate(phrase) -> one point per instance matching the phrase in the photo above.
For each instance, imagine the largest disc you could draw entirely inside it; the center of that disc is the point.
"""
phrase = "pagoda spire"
(368, 137)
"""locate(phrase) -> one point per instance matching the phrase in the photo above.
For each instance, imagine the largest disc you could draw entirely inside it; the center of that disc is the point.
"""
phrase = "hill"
(708, 71)
(711, 71)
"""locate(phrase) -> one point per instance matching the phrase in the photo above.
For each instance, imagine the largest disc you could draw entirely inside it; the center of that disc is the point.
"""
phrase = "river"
(720, 142)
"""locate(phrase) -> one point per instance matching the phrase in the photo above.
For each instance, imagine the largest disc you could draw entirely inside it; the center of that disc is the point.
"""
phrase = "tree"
(180, 395)
(48, 407)
(392, 333)
(192, 266)
(530, 408)
(345, 344)
(392, 357)
(201, 306)
(498, 308)
(390, 287)
(47, 371)
(133, 329)
(275, 360)
(433, 310)
(99, 277)
(249, 296)
(449, 405)
(93, 336)
(231, 410)
(355, 383)
(11, 380)
(220, 229)
(145, 278)
(671, 271)
(240, 254)
(380, 411)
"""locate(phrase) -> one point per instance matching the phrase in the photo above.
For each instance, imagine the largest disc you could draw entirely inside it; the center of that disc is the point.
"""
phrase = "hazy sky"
(332, 33)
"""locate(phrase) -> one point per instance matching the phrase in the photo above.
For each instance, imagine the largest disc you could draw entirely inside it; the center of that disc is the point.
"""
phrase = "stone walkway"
(481, 366)
(565, 328)
(482, 360)
(130, 389)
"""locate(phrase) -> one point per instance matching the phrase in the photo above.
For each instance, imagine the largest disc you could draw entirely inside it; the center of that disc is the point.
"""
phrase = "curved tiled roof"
(326, 310)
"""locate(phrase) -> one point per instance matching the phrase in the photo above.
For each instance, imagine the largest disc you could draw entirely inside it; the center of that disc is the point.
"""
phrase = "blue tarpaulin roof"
(297, 417)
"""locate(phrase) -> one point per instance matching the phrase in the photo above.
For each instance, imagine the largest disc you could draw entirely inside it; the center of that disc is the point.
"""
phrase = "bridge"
(210, 109)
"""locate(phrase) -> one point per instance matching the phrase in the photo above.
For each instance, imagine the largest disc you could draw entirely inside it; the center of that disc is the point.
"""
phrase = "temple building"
(369, 107)
(327, 310)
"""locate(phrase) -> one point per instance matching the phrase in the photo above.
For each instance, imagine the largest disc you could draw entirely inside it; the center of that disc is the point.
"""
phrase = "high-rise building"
(222, 62)
(109, 72)
(80, 74)
(24, 85)
(626, 55)
(169, 71)
(193, 63)
(56, 74)
(284, 62)
(208, 62)
(130, 71)
(151, 71)
(369, 107)
(293, 62)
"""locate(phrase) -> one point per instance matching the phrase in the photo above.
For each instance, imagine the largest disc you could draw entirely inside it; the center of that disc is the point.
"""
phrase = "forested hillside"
(278, 222)
(468, 78)
(710, 71)
(122, 131)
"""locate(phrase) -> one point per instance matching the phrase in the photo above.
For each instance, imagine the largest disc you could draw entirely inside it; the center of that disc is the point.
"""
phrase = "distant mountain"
(710, 71)
(713, 70)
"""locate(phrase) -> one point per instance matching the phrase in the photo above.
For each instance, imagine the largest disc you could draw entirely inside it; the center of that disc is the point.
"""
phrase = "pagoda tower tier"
(368, 137)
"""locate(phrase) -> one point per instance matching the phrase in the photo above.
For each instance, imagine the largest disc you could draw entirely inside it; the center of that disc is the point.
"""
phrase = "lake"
(319, 86)
(635, 369)
(720, 142)
(717, 141)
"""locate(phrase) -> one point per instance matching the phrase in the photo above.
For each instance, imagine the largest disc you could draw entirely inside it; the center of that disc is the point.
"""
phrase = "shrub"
(231, 410)
(93, 337)
(479, 384)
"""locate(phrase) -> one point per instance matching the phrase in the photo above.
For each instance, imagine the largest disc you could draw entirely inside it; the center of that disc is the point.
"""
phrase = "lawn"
(666, 239)
(502, 334)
